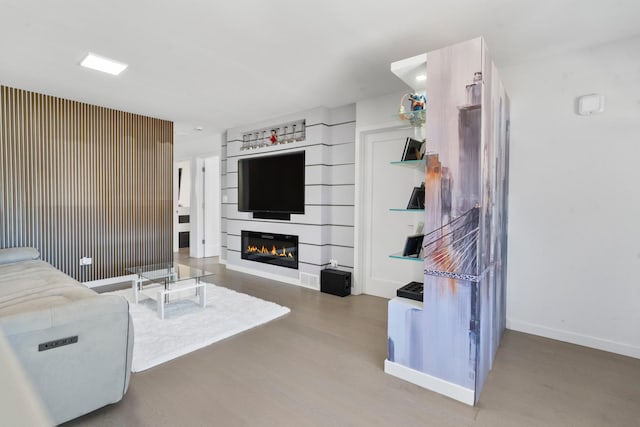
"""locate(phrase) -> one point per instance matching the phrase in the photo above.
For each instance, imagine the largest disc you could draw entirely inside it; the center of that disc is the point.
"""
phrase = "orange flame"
(254, 249)
(273, 251)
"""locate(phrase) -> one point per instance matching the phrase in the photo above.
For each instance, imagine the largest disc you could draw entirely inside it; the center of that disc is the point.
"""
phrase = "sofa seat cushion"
(34, 285)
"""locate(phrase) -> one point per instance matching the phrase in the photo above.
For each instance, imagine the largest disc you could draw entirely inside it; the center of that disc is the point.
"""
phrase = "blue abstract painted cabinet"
(448, 342)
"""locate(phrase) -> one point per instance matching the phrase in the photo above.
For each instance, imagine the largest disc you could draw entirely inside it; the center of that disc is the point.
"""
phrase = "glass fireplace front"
(270, 248)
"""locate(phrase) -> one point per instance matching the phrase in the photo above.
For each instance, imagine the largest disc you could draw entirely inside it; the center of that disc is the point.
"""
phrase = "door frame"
(362, 173)
(198, 207)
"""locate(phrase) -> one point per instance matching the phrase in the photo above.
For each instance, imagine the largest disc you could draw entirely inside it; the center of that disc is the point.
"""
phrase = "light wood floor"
(322, 365)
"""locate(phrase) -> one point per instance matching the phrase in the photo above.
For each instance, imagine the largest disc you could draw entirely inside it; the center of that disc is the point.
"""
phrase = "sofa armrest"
(11, 255)
(77, 355)
(20, 405)
(74, 312)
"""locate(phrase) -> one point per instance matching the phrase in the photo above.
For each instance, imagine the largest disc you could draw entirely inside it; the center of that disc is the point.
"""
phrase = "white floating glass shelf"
(415, 118)
(410, 163)
(407, 258)
(273, 135)
(405, 210)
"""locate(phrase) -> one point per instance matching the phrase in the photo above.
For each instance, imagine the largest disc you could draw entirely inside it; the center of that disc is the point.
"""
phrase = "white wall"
(379, 111)
(325, 230)
(187, 147)
(574, 199)
(191, 148)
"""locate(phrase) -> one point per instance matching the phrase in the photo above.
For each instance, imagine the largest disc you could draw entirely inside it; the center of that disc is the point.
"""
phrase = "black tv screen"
(272, 183)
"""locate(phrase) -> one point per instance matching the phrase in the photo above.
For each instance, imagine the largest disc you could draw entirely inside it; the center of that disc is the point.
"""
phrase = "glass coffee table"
(162, 280)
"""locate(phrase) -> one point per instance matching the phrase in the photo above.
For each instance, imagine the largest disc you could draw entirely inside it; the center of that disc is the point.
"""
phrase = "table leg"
(203, 295)
(136, 288)
(161, 296)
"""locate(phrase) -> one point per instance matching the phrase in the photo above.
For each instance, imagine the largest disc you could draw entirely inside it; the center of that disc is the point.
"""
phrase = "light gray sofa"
(74, 345)
(20, 405)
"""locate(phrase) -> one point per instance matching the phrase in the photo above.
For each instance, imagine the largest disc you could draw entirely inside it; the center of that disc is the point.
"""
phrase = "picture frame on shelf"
(413, 149)
(404, 150)
(416, 201)
(413, 246)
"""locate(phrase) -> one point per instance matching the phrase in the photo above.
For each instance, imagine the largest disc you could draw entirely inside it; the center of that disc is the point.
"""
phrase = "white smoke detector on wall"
(592, 103)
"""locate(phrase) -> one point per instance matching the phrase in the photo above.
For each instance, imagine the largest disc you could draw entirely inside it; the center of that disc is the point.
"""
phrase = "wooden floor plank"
(322, 365)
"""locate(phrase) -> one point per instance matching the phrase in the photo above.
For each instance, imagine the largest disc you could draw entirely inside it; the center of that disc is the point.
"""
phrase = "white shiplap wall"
(326, 228)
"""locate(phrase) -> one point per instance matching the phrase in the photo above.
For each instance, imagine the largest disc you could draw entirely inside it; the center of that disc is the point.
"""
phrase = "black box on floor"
(335, 282)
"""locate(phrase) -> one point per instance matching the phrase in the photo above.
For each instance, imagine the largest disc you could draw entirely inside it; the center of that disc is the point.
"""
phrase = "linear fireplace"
(276, 249)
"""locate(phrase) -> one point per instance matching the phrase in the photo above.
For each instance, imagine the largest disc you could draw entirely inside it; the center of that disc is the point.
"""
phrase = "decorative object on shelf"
(413, 246)
(413, 149)
(412, 290)
(416, 113)
(417, 101)
(415, 118)
(474, 90)
(416, 201)
(272, 135)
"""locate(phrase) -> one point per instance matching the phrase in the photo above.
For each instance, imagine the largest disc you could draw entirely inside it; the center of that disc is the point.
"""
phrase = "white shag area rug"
(188, 327)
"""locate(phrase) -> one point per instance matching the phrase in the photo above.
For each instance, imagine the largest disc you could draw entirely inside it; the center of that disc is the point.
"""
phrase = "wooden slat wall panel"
(81, 180)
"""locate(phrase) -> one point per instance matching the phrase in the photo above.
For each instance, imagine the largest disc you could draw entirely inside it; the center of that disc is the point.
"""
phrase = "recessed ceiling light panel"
(421, 77)
(100, 63)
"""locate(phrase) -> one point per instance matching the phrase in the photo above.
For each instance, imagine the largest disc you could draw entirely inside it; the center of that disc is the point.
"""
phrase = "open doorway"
(182, 221)
(197, 207)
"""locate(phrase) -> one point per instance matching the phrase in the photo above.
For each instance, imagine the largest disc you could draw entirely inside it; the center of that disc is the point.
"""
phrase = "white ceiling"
(225, 63)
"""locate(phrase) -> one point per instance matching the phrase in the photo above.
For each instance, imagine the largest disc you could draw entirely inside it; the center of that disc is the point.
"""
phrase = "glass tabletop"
(168, 272)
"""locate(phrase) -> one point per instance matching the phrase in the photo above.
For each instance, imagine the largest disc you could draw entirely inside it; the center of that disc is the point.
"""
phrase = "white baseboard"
(574, 338)
(109, 281)
(285, 279)
(454, 391)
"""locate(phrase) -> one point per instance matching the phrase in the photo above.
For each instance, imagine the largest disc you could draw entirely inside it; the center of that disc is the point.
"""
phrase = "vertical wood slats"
(82, 180)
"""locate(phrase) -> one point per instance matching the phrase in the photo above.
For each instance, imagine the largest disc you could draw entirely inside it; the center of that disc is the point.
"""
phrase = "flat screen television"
(272, 184)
